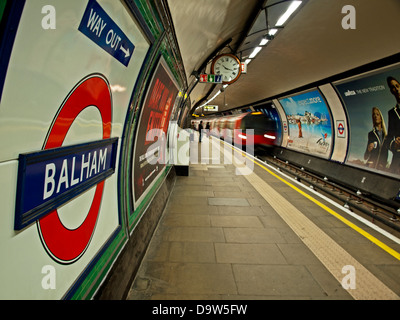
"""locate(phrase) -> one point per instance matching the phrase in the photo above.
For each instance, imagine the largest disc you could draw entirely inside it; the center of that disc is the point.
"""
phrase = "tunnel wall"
(82, 82)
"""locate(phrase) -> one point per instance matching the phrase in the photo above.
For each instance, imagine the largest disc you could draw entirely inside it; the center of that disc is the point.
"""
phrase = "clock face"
(227, 66)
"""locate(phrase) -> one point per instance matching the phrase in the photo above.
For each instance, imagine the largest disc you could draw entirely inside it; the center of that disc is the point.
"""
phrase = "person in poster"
(376, 153)
(360, 95)
(393, 140)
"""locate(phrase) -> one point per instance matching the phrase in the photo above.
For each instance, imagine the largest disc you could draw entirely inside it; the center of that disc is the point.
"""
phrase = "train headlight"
(242, 136)
(269, 137)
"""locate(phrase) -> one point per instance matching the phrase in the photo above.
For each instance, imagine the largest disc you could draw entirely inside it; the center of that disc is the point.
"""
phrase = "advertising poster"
(372, 103)
(151, 139)
(310, 125)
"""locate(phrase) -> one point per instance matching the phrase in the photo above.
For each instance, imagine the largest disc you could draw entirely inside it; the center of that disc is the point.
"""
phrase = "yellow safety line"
(329, 210)
(329, 253)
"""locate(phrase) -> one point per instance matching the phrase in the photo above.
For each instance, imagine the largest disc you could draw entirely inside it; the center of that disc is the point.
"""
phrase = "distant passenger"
(208, 129)
(393, 137)
(376, 153)
(200, 130)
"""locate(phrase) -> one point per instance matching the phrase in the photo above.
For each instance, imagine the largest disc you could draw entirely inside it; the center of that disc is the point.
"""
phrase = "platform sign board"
(48, 179)
(97, 25)
(243, 66)
(374, 118)
(210, 108)
(64, 99)
(210, 78)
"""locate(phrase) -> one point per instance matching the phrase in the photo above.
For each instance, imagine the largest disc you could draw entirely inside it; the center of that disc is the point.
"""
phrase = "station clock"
(228, 66)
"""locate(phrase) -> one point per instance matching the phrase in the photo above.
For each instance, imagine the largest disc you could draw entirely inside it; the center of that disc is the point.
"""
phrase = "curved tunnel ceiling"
(312, 46)
(203, 26)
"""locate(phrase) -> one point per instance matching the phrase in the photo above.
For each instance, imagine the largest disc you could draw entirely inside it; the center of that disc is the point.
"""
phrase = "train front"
(259, 129)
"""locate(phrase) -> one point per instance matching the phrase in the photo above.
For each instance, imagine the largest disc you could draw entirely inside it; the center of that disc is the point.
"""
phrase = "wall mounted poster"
(310, 125)
(372, 103)
(151, 138)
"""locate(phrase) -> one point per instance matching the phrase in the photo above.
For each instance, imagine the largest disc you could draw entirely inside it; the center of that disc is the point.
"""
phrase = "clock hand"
(227, 68)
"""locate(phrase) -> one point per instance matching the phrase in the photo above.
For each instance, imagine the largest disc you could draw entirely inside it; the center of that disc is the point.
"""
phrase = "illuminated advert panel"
(372, 104)
(310, 124)
(151, 140)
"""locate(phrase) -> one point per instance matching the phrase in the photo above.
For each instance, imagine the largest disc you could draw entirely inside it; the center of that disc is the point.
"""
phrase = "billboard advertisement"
(372, 104)
(151, 140)
(310, 124)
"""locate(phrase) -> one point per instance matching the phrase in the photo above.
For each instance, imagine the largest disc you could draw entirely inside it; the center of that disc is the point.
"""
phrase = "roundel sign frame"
(341, 129)
(65, 245)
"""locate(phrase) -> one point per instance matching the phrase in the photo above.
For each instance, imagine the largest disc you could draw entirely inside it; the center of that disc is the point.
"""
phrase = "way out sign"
(97, 25)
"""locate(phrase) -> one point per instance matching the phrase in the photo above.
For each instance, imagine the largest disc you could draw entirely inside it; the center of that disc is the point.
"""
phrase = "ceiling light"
(263, 42)
(255, 52)
(216, 95)
(272, 32)
(292, 8)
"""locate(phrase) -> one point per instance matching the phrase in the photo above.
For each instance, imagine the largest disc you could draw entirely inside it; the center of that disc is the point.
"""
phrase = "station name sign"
(48, 179)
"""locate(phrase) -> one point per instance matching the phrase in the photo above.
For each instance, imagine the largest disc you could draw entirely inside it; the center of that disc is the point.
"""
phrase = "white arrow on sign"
(126, 51)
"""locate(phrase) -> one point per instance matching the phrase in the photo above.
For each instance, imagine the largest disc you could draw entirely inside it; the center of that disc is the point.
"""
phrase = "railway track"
(376, 212)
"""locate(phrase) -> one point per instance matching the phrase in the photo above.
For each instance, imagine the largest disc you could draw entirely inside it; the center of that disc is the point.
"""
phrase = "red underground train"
(242, 129)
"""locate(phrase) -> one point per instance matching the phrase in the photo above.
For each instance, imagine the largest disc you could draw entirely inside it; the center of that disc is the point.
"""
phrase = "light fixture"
(292, 8)
(216, 95)
(272, 32)
(255, 52)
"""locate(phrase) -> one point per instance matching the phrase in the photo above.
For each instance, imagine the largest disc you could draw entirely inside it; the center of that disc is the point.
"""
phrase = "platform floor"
(260, 236)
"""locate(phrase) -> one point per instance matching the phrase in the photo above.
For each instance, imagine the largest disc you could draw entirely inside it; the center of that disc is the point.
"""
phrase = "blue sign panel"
(97, 25)
(50, 178)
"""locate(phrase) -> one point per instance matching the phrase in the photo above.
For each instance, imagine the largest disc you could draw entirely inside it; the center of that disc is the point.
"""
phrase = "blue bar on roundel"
(47, 179)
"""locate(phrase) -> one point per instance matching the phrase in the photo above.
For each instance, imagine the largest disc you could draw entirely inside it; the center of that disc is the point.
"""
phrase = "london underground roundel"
(66, 245)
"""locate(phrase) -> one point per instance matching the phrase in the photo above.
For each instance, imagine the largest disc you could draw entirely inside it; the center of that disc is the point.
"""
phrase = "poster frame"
(366, 76)
(160, 62)
(325, 101)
